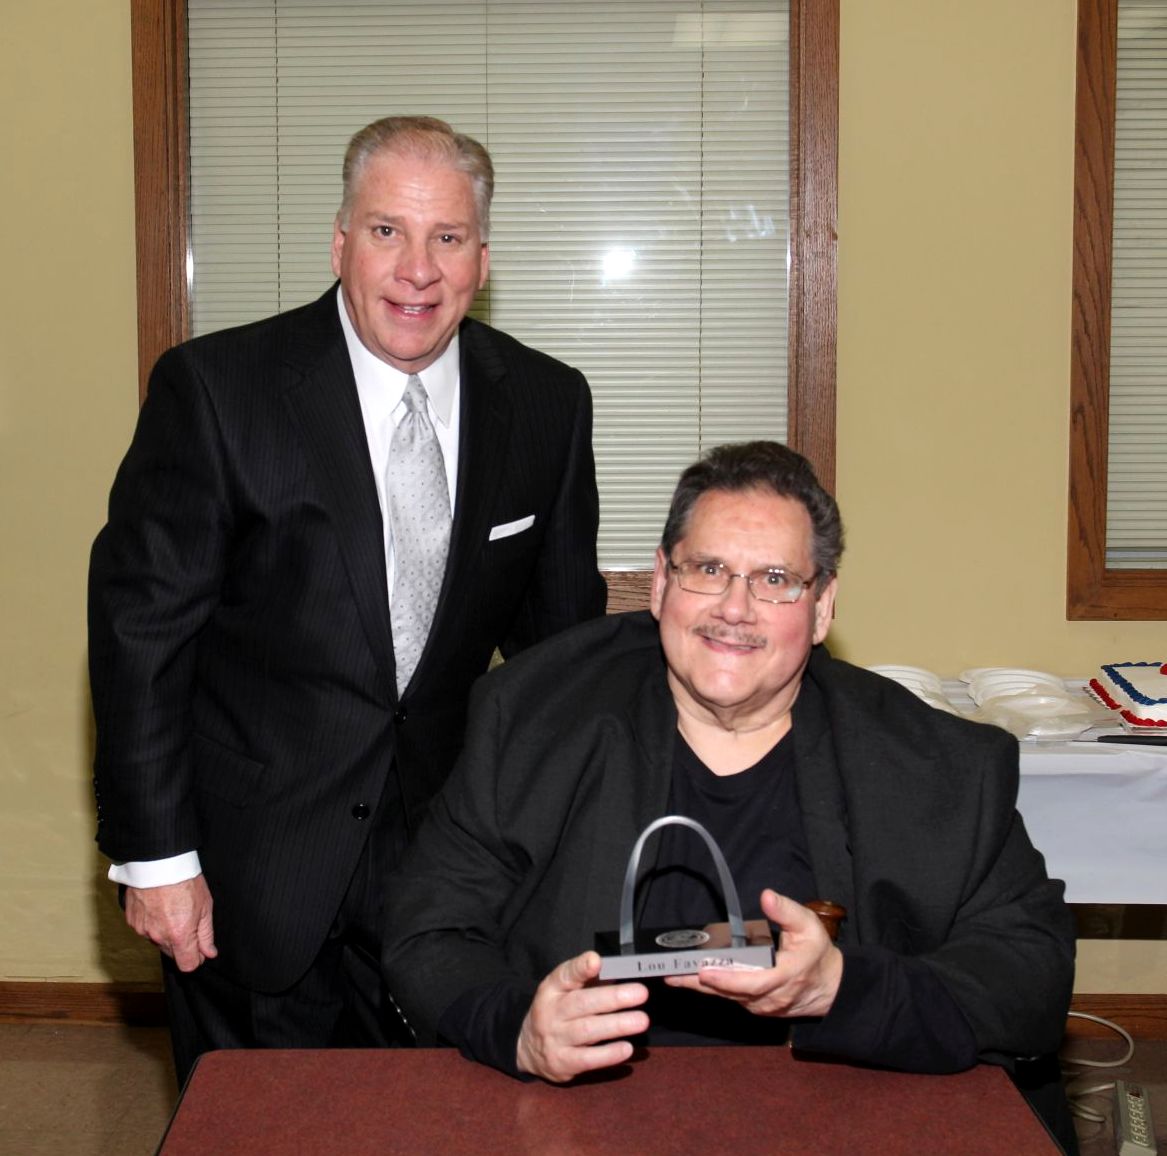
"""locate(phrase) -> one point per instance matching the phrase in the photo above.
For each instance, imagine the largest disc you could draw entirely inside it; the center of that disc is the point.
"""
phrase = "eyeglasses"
(770, 585)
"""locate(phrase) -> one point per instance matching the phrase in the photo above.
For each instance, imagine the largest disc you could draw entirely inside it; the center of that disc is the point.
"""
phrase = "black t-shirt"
(755, 819)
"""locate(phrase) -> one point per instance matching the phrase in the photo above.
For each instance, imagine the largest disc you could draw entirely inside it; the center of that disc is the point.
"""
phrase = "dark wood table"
(674, 1100)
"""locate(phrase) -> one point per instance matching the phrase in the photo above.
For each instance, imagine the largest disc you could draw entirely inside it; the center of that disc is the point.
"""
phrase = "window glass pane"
(1136, 523)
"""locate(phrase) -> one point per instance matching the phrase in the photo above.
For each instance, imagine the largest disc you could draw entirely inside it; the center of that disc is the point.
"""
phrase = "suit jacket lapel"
(824, 808)
(654, 715)
(484, 429)
(322, 398)
(638, 795)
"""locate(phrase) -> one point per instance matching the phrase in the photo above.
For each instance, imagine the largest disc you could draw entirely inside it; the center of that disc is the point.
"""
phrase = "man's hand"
(805, 976)
(571, 1017)
(176, 918)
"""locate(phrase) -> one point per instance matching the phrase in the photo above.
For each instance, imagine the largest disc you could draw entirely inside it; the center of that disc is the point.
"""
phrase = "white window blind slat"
(640, 215)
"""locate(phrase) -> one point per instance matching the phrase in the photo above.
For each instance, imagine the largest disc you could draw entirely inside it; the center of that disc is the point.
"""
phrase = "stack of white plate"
(1030, 703)
(989, 682)
(922, 683)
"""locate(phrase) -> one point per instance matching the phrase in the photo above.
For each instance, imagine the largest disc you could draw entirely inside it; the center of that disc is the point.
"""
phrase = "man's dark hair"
(768, 466)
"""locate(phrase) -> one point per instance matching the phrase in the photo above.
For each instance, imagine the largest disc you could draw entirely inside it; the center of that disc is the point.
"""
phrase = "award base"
(679, 951)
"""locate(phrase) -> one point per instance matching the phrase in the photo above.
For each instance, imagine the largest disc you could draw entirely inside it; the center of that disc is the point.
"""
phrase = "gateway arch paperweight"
(642, 953)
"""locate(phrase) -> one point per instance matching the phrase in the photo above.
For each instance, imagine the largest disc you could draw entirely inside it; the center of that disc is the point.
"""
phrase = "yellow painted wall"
(954, 309)
(67, 406)
(955, 218)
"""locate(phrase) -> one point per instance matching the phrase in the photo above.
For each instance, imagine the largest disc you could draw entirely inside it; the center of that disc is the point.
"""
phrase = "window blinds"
(1136, 521)
(641, 204)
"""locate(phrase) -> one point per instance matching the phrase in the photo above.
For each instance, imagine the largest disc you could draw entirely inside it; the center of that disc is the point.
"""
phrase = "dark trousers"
(340, 1000)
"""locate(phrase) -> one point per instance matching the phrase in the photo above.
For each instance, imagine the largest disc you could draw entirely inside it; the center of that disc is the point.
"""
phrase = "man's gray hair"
(423, 138)
(761, 465)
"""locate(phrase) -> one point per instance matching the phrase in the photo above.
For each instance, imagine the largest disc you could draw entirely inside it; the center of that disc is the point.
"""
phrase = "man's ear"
(660, 579)
(338, 239)
(824, 610)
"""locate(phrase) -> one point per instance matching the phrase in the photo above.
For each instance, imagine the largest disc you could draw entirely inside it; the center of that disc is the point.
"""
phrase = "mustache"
(729, 635)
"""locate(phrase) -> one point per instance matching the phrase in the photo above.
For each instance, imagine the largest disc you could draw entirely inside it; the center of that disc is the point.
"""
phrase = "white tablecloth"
(1098, 812)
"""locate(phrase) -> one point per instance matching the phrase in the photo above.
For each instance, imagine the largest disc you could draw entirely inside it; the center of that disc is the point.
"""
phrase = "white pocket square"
(509, 528)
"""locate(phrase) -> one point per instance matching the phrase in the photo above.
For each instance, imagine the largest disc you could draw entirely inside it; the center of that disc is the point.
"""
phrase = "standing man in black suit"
(273, 714)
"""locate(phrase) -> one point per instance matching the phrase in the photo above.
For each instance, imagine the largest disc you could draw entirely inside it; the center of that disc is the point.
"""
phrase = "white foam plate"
(1040, 705)
(915, 676)
(1029, 677)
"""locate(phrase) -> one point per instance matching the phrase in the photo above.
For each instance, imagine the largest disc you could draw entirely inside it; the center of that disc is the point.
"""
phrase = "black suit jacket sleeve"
(155, 579)
(482, 854)
(916, 810)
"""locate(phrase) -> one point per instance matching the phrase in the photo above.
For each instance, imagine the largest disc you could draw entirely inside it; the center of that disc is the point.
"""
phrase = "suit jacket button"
(361, 811)
(400, 715)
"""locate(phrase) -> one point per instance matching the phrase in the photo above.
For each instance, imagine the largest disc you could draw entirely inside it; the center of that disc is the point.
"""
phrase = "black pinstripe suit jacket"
(241, 661)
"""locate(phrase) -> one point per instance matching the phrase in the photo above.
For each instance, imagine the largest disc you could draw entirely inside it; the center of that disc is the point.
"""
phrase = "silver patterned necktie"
(419, 520)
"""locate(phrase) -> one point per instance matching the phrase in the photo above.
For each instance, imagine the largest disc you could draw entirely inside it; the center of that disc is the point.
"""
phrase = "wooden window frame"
(161, 189)
(1092, 590)
(161, 177)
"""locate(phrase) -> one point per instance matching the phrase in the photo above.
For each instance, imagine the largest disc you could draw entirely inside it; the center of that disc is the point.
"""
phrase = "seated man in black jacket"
(818, 780)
